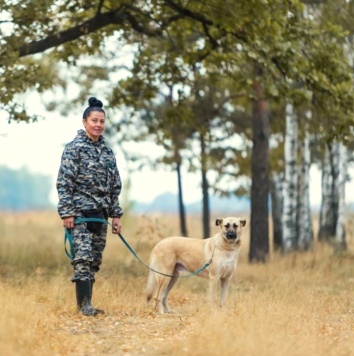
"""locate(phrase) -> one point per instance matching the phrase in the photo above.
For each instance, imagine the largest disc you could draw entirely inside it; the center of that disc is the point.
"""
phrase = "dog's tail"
(150, 287)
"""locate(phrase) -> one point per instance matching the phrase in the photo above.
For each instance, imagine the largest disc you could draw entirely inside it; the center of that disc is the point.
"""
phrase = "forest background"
(249, 95)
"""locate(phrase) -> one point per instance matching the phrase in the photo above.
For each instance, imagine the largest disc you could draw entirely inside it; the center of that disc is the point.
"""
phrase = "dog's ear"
(243, 222)
(218, 221)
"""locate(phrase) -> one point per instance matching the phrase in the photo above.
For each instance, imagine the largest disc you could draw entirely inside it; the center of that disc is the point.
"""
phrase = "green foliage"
(301, 59)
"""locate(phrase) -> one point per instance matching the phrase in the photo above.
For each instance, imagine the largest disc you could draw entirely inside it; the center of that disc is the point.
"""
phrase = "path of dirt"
(126, 334)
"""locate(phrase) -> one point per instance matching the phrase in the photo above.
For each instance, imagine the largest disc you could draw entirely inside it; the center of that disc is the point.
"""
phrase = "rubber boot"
(99, 311)
(83, 297)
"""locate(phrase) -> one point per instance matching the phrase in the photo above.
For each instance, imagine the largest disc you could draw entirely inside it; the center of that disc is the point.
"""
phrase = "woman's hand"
(68, 222)
(116, 226)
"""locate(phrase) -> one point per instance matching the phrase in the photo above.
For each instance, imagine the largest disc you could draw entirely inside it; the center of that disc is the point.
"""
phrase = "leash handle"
(69, 238)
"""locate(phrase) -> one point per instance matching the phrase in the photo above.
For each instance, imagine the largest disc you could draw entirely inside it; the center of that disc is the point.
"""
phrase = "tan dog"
(175, 254)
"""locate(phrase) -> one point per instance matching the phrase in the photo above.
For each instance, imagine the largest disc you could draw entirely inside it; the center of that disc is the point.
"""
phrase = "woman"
(88, 186)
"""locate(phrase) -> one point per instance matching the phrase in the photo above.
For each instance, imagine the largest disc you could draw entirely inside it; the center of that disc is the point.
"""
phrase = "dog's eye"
(227, 226)
(235, 226)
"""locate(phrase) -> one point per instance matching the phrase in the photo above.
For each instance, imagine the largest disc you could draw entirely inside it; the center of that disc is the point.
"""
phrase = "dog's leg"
(170, 285)
(160, 288)
(162, 294)
(157, 284)
(150, 287)
(213, 285)
(224, 289)
(152, 283)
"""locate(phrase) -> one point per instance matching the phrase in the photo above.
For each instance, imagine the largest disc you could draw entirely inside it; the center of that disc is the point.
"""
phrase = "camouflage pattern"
(88, 249)
(88, 179)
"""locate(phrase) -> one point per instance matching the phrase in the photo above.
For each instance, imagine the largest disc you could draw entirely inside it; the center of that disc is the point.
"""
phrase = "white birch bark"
(304, 222)
(290, 181)
(342, 177)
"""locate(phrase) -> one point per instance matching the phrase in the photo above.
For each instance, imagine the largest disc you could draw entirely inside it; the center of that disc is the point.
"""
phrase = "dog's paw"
(170, 311)
(166, 311)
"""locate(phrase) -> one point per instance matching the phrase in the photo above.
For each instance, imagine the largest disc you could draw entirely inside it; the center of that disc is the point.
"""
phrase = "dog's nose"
(231, 235)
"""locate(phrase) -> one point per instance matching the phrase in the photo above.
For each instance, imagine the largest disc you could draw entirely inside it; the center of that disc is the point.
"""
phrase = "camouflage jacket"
(88, 178)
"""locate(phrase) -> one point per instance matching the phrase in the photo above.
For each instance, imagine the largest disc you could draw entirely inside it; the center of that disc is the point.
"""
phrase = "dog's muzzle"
(231, 235)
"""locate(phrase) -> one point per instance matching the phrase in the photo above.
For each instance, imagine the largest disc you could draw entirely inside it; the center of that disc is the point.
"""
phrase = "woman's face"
(94, 125)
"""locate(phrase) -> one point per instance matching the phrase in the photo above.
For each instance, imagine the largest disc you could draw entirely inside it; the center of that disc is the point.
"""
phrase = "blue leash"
(69, 238)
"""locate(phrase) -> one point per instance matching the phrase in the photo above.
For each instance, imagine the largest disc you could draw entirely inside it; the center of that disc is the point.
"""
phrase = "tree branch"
(117, 16)
(73, 33)
(188, 13)
(99, 8)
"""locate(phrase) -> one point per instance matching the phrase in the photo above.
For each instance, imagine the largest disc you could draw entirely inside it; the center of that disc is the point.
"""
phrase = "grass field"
(301, 304)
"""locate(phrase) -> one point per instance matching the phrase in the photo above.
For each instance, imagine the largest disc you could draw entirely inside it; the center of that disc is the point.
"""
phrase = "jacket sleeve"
(66, 180)
(115, 210)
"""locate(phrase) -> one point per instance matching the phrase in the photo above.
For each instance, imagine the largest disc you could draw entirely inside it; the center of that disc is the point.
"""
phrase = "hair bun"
(94, 102)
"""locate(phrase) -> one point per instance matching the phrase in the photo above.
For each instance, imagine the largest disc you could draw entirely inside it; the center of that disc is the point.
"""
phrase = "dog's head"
(231, 228)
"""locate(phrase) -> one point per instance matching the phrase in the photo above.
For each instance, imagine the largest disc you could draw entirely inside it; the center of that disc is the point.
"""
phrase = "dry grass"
(301, 304)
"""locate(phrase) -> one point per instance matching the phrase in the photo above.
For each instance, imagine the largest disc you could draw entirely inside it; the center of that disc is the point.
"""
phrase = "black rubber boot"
(99, 311)
(83, 297)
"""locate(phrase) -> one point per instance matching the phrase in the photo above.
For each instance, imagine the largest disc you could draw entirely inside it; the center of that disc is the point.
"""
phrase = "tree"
(304, 216)
(301, 60)
(290, 181)
(340, 237)
(276, 191)
(162, 123)
(202, 117)
(334, 176)
(259, 249)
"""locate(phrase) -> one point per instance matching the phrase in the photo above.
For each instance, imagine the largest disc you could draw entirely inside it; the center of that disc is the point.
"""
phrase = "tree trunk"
(205, 190)
(329, 203)
(182, 214)
(340, 242)
(178, 160)
(276, 185)
(334, 174)
(304, 222)
(259, 244)
(289, 217)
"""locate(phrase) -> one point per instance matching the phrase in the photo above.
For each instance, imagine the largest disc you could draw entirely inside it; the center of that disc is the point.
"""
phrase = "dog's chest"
(227, 264)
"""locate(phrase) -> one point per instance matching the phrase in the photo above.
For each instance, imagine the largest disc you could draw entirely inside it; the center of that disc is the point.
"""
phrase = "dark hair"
(94, 105)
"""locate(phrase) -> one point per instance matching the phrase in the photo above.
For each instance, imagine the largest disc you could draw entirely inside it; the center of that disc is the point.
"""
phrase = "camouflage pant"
(88, 249)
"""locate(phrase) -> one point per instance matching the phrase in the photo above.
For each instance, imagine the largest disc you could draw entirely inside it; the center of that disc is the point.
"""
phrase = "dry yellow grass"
(301, 304)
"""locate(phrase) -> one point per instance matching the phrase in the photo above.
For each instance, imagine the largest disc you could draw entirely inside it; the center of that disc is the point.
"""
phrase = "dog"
(175, 254)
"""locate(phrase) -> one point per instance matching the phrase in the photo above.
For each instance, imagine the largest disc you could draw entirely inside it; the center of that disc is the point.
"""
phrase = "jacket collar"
(81, 134)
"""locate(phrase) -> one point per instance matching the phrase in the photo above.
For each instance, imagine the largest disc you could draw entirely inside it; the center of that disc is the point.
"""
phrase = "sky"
(39, 146)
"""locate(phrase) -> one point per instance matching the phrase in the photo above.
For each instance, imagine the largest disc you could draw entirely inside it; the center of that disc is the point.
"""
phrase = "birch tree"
(332, 210)
(289, 217)
(304, 216)
(340, 240)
